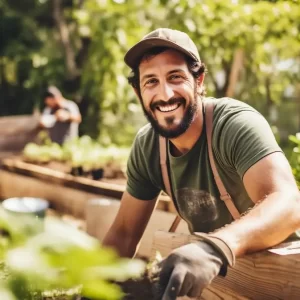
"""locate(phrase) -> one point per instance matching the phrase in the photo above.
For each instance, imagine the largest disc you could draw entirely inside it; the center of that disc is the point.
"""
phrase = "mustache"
(171, 101)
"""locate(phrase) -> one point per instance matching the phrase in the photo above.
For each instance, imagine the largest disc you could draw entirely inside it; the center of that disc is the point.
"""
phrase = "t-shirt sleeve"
(139, 184)
(244, 139)
(73, 109)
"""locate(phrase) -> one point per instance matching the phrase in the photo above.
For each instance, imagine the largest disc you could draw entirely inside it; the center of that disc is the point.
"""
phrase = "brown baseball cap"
(162, 37)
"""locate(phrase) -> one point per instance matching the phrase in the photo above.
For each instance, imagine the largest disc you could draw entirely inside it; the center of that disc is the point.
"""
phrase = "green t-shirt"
(241, 137)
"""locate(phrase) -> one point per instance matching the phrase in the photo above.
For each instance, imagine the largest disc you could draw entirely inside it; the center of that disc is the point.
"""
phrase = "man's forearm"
(267, 224)
(125, 247)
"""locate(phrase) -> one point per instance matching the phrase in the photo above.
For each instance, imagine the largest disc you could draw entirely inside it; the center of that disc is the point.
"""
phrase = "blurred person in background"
(61, 117)
(260, 202)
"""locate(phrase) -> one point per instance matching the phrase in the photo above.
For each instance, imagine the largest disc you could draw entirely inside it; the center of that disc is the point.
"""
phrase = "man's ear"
(200, 81)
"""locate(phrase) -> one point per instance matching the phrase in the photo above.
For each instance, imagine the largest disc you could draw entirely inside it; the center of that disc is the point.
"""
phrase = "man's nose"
(166, 92)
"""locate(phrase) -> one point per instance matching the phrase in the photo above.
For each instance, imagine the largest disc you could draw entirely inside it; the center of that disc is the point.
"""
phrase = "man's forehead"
(169, 59)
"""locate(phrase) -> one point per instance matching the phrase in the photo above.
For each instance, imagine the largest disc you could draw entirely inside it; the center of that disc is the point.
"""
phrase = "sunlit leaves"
(267, 31)
(60, 259)
(6, 295)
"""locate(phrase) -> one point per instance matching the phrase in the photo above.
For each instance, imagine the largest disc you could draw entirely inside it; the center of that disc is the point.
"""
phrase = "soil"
(146, 287)
(138, 289)
(141, 289)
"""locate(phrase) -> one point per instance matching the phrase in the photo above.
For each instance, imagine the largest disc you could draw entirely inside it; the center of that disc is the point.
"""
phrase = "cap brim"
(133, 56)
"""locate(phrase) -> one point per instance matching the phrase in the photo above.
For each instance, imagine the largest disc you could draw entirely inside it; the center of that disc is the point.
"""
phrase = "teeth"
(168, 107)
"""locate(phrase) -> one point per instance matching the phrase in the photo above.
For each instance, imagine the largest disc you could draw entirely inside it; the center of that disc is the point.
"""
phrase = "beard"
(181, 127)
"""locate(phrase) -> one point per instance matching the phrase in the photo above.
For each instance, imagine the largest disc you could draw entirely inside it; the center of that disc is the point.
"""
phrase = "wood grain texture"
(263, 275)
(97, 209)
(17, 131)
(63, 199)
(79, 183)
(14, 125)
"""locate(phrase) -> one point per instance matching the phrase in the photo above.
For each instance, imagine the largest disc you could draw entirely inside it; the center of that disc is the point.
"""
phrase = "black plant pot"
(77, 171)
(97, 173)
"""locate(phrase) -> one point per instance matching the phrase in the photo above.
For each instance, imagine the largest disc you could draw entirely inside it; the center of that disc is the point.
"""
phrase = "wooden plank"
(263, 275)
(80, 183)
(7, 154)
(17, 131)
(64, 179)
(100, 214)
(217, 293)
(79, 204)
(13, 125)
(63, 199)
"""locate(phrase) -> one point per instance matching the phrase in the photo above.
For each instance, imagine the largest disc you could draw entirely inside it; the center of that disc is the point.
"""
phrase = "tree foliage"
(251, 49)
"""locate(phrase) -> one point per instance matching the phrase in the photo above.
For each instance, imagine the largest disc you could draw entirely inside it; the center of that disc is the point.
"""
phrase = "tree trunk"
(237, 65)
(72, 71)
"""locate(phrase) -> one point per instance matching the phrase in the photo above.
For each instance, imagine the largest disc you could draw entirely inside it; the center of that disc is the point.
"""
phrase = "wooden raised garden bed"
(93, 202)
(264, 275)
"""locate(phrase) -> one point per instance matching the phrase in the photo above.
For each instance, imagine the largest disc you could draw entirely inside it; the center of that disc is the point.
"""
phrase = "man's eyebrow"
(175, 71)
(153, 75)
(147, 76)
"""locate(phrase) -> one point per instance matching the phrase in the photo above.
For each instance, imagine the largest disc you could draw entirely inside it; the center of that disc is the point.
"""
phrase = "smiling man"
(215, 177)
(173, 117)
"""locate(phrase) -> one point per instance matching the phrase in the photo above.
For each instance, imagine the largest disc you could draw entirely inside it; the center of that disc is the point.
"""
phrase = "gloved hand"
(190, 268)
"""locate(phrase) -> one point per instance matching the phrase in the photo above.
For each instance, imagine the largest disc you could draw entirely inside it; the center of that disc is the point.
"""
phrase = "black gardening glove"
(190, 268)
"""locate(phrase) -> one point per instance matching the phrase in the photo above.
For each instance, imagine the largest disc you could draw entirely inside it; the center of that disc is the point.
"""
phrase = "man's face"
(168, 93)
(51, 102)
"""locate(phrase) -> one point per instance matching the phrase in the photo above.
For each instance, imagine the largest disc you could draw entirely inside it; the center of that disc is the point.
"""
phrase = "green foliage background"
(79, 46)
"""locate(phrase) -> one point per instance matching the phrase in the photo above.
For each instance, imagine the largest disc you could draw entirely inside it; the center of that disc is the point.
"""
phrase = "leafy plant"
(83, 152)
(44, 260)
(295, 158)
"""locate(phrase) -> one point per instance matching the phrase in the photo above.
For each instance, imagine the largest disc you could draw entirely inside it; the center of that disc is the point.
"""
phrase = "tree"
(251, 49)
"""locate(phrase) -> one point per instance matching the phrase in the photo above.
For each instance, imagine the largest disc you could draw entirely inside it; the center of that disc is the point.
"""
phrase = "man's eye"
(175, 77)
(151, 81)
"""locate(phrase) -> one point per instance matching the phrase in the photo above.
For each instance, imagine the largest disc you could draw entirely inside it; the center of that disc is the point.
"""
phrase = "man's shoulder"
(228, 110)
(227, 104)
(145, 142)
(146, 134)
(69, 103)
